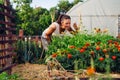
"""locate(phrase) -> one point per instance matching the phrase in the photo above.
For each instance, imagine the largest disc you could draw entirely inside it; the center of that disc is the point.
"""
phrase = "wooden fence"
(7, 38)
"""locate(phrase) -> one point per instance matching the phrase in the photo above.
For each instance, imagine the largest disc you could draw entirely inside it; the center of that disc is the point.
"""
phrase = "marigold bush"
(81, 47)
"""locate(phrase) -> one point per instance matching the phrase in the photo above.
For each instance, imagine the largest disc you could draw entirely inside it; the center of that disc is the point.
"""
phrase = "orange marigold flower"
(104, 50)
(116, 43)
(71, 46)
(101, 59)
(97, 48)
(69, 56)
(54, 55)
(82, 50)
(109, 41)
(84, 47)
(114, 57)
(87, 44)
(98, 43)
(90, 71)
(118, 49)
(118, 46)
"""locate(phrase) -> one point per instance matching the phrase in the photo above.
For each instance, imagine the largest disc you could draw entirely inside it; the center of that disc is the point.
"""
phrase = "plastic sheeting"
(92, 14)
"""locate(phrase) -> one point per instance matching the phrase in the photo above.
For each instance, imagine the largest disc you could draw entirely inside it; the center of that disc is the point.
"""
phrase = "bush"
(81, 47)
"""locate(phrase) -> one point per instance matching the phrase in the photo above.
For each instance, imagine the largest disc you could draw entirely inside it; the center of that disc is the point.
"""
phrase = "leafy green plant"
(5, 76)
(80, 47)
(27, 51)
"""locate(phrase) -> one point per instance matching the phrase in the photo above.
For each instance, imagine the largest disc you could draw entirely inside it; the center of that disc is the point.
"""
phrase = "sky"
(46, 3)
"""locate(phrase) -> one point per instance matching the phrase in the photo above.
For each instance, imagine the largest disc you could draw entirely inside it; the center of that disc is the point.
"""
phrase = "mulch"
(29, 71)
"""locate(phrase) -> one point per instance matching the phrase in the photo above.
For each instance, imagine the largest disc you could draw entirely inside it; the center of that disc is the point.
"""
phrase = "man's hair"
(62, 17)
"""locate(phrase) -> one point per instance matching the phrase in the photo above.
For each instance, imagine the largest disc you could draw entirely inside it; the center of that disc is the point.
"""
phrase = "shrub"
(81, 47)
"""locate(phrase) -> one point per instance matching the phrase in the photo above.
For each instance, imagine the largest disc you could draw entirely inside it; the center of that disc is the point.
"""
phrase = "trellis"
(7, 37)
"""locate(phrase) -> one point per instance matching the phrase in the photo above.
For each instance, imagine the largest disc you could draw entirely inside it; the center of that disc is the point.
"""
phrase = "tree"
(64, 6)
(42, 19)
(77, 1)
(23, 17)
(21, 3)
(30, 19)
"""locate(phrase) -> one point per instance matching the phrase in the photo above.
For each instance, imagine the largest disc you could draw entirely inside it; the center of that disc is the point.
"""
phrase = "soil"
(39, 72)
